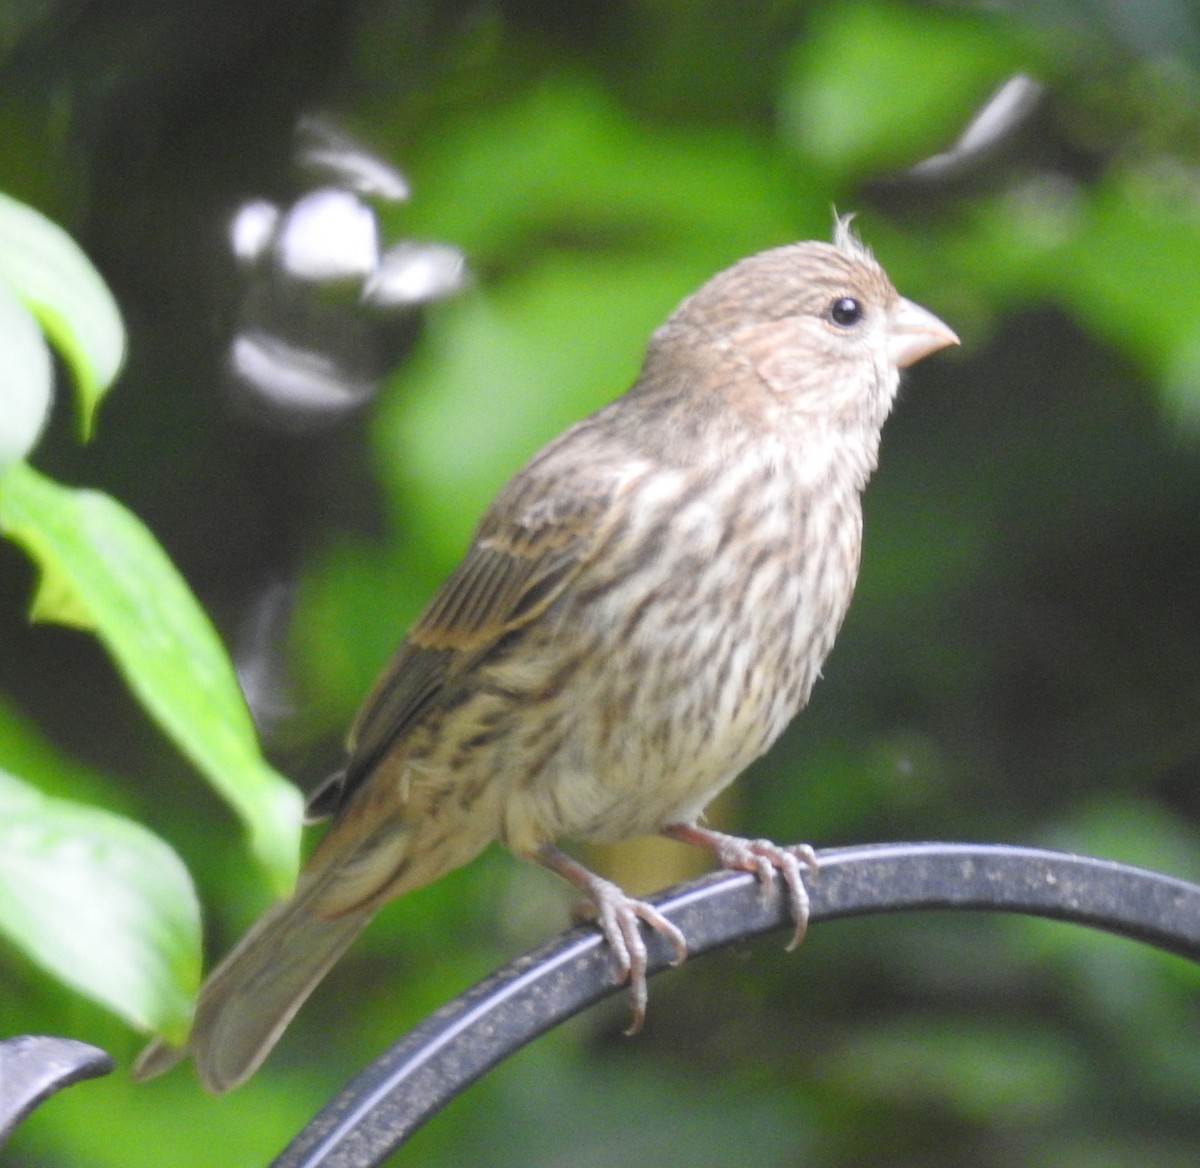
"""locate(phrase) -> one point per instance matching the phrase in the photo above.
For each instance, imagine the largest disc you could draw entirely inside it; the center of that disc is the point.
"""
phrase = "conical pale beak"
(914, 333)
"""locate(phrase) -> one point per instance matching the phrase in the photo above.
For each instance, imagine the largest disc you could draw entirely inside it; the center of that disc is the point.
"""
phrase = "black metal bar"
(437, 1059)
(33, 1067)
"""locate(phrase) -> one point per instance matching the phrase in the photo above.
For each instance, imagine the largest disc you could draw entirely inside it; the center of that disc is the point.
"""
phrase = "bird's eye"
(846, 311)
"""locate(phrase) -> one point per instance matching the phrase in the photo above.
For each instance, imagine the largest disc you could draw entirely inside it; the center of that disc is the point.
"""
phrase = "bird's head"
(818, 328)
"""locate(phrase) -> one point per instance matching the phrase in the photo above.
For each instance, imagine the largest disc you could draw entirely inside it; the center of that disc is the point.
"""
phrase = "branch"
(429, 1066)
(34, 1067)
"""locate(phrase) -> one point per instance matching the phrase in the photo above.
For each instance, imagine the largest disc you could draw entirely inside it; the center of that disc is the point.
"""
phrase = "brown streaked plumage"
(642, 610)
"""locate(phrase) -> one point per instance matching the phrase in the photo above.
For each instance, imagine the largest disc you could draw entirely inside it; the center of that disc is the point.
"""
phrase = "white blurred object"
(340, 159)
(252, 229)
(411, 273)
(328, 235)
(323, 315)
(998, 118)
(258, 656)
(299, 379)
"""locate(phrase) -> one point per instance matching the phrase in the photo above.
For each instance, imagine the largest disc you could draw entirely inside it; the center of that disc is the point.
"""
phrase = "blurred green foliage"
(1020, 661)
(95, 899)
(58, 286)
(102, 571)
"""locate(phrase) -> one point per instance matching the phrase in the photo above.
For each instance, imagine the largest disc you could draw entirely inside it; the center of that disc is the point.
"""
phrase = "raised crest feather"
(846, 241)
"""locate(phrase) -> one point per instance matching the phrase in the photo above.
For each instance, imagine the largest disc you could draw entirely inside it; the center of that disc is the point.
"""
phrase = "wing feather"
(519, 562)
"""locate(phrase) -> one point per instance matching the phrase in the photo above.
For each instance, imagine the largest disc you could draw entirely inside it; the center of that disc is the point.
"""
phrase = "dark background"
(1022, 661)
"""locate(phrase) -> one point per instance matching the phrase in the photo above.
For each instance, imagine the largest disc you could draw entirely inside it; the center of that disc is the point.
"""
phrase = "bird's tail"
(249, 998)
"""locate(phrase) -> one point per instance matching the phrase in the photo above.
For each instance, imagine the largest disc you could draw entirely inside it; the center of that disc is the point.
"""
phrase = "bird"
(641, 611)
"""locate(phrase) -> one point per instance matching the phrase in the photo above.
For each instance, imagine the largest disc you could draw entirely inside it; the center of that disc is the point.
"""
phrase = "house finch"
(642, 610)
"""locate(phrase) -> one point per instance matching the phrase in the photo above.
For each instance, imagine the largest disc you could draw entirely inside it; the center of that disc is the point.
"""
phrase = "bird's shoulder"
(540, 531)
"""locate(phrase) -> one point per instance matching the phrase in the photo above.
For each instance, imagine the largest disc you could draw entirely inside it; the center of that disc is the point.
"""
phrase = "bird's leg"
(763, 858)
(618, 915)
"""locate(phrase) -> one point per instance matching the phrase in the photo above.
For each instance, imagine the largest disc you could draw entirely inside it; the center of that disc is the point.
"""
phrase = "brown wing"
(527, 549)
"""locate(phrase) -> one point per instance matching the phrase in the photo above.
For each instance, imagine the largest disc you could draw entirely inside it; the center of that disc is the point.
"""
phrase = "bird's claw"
(765, 859)
(619, 916)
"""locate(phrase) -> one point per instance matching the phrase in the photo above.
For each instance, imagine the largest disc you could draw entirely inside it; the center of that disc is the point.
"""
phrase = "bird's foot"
(618, 916)
(762, 857)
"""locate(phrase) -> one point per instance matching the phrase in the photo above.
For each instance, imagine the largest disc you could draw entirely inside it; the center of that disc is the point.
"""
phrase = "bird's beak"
(914, 333)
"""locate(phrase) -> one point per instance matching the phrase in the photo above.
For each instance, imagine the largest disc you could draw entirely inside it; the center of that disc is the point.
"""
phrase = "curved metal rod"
(34, 1066)
(429, 1066)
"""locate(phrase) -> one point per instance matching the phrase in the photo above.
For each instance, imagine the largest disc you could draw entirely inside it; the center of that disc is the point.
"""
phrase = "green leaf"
(1129, 273)
(26, 380)
(102, 903)
(567, 162)
(973, 1068)
(48, 272)
(881, 85)
(102, 570)
(533, 344)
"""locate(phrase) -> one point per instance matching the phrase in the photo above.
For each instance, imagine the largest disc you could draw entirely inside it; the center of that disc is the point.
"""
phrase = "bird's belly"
(684, 706)
(688, 739)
